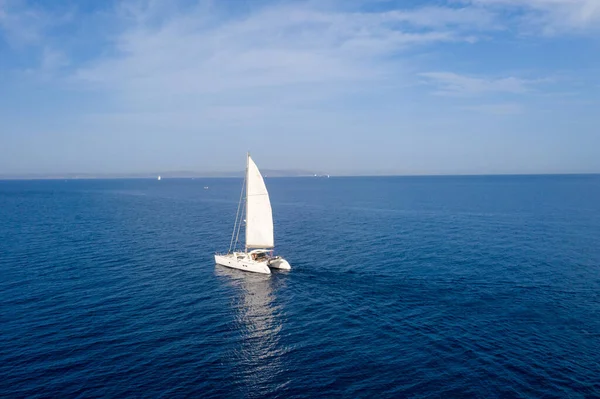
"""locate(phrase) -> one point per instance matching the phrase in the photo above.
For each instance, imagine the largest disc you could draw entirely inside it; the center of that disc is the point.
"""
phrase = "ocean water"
(401, 287)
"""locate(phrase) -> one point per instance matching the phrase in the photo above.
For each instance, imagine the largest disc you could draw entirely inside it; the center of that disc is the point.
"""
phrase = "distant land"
(172, 174)
(240, 174)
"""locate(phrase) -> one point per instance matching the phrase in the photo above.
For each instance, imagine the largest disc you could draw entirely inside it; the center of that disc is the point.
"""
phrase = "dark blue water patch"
(401, 287)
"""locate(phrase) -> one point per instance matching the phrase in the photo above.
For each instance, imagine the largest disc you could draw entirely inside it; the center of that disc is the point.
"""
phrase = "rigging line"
(240, 225)
(235, 225)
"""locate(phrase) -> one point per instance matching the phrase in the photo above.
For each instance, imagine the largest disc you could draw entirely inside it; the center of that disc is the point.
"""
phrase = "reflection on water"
(259, 355)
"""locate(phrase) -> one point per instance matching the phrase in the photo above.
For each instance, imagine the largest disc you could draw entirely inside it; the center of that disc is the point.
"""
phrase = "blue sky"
(409, 87)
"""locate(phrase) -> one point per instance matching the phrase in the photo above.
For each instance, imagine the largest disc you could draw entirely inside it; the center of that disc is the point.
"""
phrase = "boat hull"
(279, 263)
(242, 262)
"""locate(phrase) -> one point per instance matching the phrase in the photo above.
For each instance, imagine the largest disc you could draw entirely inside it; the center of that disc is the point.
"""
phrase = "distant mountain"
(287, 173)
(171, 174)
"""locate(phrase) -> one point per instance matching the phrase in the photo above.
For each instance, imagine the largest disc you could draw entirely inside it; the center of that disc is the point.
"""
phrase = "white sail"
(259, 217)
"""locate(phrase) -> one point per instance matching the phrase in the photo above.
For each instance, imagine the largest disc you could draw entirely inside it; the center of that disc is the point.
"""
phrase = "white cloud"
(25, 27)
(53, 59)
(163, 50)
(550, 17)
(496, 109)
(19, 24)
(166, 53)
(443, 17)
(167, 56)
(449, 83)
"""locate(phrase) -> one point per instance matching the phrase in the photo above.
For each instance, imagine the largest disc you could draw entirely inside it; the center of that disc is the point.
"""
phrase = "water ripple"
(401, 287)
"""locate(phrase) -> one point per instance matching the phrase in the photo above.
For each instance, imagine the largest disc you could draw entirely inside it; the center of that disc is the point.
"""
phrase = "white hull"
(279, 263)
(244, 261)
(241, 261)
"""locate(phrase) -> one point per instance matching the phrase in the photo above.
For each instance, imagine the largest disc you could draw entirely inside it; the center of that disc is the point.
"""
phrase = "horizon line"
(233, 175)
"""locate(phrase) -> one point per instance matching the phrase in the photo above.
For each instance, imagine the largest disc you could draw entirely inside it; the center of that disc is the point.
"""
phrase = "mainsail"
(259, 217)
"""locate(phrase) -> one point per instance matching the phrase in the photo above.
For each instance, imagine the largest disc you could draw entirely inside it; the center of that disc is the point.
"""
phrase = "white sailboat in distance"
(257, 255)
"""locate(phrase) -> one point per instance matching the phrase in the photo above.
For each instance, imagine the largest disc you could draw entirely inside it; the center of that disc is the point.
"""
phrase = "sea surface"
(420, 287)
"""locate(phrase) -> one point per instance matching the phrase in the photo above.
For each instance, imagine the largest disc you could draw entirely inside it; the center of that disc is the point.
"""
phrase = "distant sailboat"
(259, 228)
(158, 178)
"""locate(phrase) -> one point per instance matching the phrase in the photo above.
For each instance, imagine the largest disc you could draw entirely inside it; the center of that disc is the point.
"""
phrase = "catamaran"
(258, 249)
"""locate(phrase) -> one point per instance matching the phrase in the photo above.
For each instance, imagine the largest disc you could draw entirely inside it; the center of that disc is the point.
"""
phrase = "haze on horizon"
(342, 87)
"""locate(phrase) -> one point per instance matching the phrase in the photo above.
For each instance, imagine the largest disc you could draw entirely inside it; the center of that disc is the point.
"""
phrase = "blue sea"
(420, 287)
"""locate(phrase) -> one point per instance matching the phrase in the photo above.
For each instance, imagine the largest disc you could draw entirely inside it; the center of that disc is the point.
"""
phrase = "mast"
(238, 218)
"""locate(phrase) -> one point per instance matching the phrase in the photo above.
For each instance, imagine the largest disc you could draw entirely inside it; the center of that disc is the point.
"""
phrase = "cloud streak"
(278, 46)
(21, 25)
(162, 50)
(449, 83)
(549, 17)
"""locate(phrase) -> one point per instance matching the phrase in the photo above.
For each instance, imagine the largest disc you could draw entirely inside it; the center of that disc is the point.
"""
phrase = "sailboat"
(258, 249)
